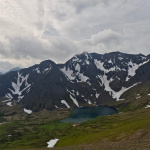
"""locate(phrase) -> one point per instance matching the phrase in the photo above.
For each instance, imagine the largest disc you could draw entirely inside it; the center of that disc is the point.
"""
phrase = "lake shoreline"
(83, 114)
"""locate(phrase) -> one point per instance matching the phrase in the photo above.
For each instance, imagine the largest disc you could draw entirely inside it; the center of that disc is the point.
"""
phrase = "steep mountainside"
(85, 79)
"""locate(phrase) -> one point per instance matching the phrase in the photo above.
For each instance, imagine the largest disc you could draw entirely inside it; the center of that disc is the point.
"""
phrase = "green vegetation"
(2, 119)
(29, 131)
(113, 128)
(1, 114)
(120, 127)
(24, 135)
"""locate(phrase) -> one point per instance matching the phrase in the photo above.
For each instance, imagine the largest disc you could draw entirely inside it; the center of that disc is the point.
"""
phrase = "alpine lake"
(83, 114)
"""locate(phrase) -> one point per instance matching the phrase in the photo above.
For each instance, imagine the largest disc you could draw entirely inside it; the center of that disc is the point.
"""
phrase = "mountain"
(86, 79)
(1, 72)
(14, 69)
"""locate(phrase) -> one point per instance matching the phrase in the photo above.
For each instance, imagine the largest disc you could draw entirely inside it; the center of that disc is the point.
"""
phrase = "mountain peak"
(47, 62)
(83, 53)
(14, 69)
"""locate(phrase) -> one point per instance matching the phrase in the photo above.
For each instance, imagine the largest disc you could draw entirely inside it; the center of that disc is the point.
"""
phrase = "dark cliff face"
(85, 79)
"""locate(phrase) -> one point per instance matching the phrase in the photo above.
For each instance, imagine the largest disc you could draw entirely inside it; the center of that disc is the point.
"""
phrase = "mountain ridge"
(13, 69)
(84, 80)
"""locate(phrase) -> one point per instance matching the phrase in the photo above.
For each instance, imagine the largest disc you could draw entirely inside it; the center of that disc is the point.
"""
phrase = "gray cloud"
(41, 29)
(5, 66)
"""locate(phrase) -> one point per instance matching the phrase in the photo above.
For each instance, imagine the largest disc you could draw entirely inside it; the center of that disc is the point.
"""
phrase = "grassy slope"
(116, 128)
(29, 135)
(121, 127)
(33, 130)
(132, 102)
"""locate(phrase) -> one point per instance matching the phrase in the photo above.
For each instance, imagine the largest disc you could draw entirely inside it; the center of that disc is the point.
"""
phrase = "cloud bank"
(35, 30)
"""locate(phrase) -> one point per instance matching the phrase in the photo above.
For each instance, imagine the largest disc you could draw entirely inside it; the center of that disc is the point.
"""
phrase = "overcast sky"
(34, 30)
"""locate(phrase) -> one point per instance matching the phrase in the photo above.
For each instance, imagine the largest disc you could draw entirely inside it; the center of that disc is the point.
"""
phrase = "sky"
(36, 30)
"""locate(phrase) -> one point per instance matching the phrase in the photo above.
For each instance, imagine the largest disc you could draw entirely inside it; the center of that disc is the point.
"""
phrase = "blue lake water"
(87, 113)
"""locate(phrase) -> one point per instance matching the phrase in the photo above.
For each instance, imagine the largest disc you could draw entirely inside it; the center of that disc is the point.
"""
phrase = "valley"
(34, 100)
(128, 130)
(74, 75)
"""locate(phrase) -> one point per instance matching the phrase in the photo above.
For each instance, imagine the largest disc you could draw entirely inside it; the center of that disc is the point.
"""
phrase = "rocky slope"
(85, 79)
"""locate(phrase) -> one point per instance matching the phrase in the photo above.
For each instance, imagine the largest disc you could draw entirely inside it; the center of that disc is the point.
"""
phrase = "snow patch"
(37, 70)
(75, 59)
(89, 102)
(94, 89)
(74, 100)
(68, 73)
(28, 90)
(97, 95)
(56, 106)
(127, 79)
(88, 83)
(72, 76)
(143, 57)
(52, 143)
(118, 78)
(46, 70)
(9, 103)
(9, 96)
(132, 67)
(110, 61)
(6, 100)
(120, 58)
(138, 96)
(117, 68)
(100, 66)
(114, 94)
(87, 62)
(77, 93)
(86, 54)
(17, 87)
(77, 67)
(148, 106)
(65, 103)
(82, 77)
(27, 111)
(123, 69)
